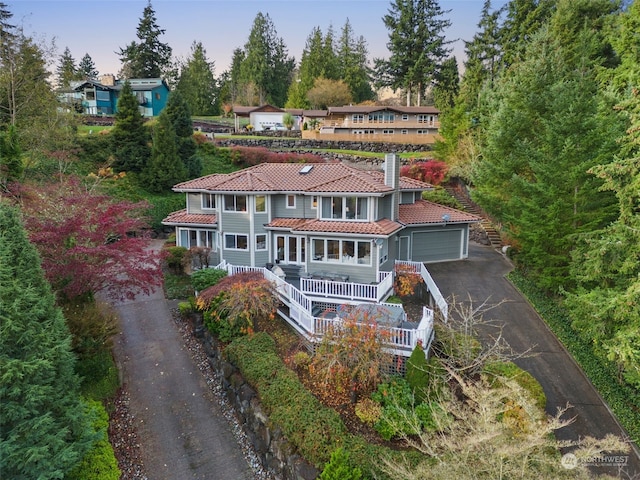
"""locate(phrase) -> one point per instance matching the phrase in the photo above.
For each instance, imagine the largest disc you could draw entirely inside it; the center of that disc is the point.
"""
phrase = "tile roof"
(381, 227)
(329, 177)
(424, 212)
(181, 217)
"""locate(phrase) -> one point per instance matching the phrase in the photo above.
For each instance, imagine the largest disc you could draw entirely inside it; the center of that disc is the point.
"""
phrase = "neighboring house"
(379, 123)
(101, 97)
(264, 117)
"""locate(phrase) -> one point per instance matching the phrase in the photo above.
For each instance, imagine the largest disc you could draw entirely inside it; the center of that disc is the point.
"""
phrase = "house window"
(157, 95)
(388, 132)
(189, 238)
(291, 201)
(235, 203)
(384, 252)
(208, 201)
(342, 251)
(382, 117)
(314, 202)
(261, 204)
(358, 118)
(426, 118)
(234, 241)
(405, 117)
(102, 96)
(422, 132)
(345, 208)
(261, 241)
(90, 94)
(404, 131)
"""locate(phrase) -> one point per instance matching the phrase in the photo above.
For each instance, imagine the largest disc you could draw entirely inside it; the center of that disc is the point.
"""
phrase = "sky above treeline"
(102, 27)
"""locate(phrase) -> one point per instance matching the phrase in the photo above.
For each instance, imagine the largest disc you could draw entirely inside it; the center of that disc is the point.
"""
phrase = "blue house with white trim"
(101, 97)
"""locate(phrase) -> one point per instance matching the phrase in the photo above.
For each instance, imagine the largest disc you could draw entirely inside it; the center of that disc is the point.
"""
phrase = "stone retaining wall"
(298, 144)
(275, 452)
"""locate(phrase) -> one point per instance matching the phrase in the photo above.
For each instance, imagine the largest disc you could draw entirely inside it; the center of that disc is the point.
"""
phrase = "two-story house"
(336, 230)
(101, 97)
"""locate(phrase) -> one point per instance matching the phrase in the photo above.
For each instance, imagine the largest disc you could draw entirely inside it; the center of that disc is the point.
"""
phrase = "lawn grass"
(84, 130)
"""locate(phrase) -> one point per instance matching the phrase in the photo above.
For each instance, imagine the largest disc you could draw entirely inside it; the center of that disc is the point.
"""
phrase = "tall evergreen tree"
(165, 167)
(447, 86)
(129, 135)
(314, 64)
(417, 46)
(231, 79)
(148, 58)
(523, 18)
(353, 66)
(266, 64)
(87, 68)
(180, 116)
(606, 262)
(67, 70)
(543, 133)
(197, 83)
(44, 427)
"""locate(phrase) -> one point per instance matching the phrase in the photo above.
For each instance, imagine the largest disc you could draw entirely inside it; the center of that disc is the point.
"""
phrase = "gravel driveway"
(481, 277)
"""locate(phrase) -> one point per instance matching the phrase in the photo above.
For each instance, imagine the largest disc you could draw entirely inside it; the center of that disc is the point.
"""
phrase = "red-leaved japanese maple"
(89, 243)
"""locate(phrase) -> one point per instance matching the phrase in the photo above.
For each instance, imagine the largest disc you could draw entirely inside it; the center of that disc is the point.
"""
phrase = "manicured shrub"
(206, 277)
(368, 411)
(100, 462)
(175, 259)
(417, 373)
(339, 468)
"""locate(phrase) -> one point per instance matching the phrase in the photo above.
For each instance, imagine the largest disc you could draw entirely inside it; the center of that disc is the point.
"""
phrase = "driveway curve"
(181, 427)
(480, 278)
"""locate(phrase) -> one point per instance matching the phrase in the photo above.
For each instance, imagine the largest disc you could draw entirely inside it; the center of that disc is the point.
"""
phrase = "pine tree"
(417, 45)
(67, 70)
(165, 167)
(149, 58)
(353, 67)
(129, 135)
(180, 116)
(197, 83)
(266, 65)
(44, 427)
(543, 133)
(87, 68)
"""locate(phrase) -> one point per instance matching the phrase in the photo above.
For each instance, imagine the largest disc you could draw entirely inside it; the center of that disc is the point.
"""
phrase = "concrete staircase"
(458, 191)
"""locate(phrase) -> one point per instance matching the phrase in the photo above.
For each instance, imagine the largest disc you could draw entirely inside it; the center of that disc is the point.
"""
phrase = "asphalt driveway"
(481, 277)
(181, 427)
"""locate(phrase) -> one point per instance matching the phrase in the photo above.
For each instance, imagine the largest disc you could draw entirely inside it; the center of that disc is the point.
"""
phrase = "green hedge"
(621, 398)
(314, 430)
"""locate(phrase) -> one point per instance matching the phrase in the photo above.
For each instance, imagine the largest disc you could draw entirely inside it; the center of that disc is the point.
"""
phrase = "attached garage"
(439, 245)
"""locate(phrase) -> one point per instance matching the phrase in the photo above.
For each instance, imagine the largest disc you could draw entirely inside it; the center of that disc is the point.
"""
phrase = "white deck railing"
(348, 290)
(400, 340)
(419, 268)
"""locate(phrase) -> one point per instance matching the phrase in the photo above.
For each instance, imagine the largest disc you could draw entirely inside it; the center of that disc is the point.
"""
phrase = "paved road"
(482, 277)
(180, 425)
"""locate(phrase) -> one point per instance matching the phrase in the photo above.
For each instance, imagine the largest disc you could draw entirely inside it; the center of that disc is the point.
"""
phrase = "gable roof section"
(349, 109)
(181, 217)
(423, 212)
(327, 178)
